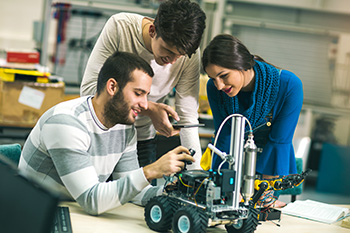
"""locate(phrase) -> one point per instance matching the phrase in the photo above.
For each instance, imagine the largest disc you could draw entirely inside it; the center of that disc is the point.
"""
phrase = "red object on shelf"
(23, 57)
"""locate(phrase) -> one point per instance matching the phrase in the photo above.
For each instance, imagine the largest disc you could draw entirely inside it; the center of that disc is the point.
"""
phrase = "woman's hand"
(159, 114)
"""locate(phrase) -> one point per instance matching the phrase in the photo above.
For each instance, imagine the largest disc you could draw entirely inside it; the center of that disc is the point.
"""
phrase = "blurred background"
(309, 37)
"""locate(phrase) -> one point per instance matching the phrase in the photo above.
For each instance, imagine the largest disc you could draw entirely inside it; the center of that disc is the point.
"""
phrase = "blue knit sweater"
(278, 156)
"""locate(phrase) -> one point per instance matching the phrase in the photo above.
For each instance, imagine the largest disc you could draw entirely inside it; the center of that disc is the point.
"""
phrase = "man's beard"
(117, 111)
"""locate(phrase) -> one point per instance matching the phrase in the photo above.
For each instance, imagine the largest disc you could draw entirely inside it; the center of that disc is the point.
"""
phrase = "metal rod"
(236, 150)
(45, 32)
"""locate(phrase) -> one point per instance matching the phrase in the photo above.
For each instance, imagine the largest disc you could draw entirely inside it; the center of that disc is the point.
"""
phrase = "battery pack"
(269, 214)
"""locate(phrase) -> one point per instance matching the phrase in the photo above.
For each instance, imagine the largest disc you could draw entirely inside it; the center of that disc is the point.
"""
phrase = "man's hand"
(170, 163)
(159, 114)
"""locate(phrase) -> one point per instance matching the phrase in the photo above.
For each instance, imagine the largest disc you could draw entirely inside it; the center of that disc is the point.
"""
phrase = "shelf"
(115, 6)
(247, 21)
(327, 6)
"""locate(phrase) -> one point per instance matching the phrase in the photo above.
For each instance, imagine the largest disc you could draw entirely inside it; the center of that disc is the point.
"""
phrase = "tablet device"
(177, 126)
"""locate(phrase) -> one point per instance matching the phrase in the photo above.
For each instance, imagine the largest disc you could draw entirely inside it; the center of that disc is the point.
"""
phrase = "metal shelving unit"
(80, 23)
(304, 36)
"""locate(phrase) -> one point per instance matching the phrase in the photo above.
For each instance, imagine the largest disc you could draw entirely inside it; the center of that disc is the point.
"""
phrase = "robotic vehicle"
(196, 199)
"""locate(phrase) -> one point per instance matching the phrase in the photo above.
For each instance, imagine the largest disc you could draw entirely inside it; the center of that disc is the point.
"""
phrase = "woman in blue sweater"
(269, 97)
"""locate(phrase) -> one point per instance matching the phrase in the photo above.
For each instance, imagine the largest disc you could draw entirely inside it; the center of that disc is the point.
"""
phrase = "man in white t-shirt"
(170, 44)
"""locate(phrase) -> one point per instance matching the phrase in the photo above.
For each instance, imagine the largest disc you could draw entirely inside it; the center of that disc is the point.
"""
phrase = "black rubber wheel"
(159, 212)
(190, 219)
(247, 225)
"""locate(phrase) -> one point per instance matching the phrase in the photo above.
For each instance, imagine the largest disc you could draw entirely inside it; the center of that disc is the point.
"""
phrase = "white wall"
(16, 23)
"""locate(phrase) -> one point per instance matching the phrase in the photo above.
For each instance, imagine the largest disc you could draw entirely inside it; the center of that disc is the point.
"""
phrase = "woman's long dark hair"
(227, 51)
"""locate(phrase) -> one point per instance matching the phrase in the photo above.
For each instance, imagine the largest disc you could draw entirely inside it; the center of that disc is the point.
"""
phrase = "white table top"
(130, 218)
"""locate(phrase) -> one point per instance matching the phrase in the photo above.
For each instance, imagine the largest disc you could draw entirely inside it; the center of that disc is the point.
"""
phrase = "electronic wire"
(219, 130)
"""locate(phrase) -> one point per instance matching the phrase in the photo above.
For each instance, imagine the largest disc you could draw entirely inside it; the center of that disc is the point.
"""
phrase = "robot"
(196, 199)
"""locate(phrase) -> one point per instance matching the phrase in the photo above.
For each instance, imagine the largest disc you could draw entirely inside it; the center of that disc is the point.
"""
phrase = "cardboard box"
(22, 103)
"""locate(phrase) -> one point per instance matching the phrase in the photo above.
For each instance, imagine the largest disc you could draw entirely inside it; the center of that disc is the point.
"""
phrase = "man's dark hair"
(119, 66)
(180, 23)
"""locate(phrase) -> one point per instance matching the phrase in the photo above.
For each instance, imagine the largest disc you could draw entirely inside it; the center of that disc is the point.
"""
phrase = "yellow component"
(258, 182)
(206, 159)
(268, 123)
(8, 75)
(42, 80)
(272, 183)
